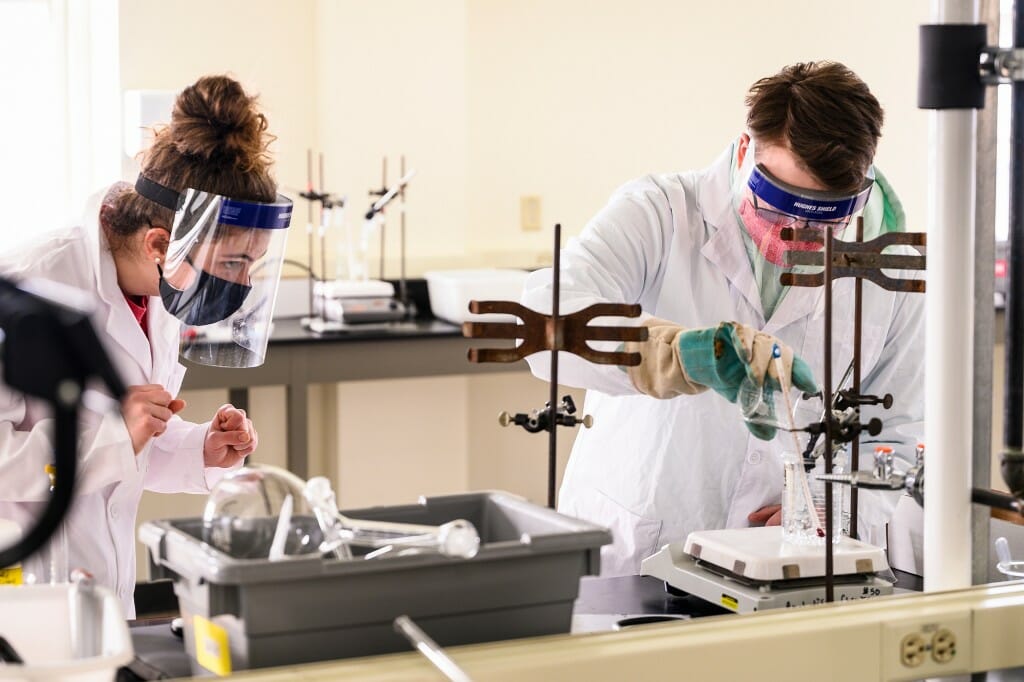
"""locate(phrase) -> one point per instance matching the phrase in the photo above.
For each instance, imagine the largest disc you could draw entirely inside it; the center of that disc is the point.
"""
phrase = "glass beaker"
(803, 504)
(769, 411)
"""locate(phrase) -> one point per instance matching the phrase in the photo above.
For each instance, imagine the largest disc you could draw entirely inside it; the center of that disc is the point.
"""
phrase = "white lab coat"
(111, 478)
(654, 470)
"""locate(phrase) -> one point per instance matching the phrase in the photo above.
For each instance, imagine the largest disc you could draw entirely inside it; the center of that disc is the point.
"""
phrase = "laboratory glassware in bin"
(251, 613)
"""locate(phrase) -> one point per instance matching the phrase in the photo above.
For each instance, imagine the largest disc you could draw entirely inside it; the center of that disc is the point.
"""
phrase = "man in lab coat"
(666, 456)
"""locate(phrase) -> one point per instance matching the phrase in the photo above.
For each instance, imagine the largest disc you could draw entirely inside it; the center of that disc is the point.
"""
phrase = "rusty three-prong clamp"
(540, 332)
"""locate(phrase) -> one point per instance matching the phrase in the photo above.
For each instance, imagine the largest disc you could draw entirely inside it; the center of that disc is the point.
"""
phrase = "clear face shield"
(221, 272)
(767, 205)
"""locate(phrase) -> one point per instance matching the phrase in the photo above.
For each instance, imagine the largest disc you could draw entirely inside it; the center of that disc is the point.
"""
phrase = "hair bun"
(216, 121)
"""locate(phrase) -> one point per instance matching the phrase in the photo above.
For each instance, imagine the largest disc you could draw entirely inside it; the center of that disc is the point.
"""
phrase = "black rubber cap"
(948, 76)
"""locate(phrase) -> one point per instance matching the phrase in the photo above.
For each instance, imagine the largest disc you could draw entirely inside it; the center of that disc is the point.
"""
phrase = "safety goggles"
(221, 272)
(785, 205)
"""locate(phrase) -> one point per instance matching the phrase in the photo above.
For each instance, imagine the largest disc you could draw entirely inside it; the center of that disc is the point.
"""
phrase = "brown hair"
(825, 114)
(216, 142)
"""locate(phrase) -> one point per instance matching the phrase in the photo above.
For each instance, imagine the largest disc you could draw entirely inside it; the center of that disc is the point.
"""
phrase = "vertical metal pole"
(858, 312)
(325, 215)
(309, 225)
(949, 309)
(827, 397)
(383, 220)
(984, 311)
(554, 335)
(402, 288)
(1014, 408)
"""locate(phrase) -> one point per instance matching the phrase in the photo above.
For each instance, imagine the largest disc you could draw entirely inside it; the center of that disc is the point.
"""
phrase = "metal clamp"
(1001, 65)
(540, 332)
(540, 420)
(864, 260)
(912, 482)
(849, 399)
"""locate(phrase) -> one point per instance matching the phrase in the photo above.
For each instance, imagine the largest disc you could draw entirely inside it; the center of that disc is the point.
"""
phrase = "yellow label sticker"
(10, 576)
(730, 602)
(212, 650)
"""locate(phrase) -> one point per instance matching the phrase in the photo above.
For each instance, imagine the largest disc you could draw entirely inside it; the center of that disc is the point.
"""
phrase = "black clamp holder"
(846, 427)
(540, 420)
(849, 399)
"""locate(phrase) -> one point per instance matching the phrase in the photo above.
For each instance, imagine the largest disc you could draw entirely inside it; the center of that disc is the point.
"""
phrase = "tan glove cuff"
(660, 373)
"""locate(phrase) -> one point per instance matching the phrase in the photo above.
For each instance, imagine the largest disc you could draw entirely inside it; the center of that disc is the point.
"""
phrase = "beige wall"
(267, 44)
(491, 100)
(569, 99)
(391, 81)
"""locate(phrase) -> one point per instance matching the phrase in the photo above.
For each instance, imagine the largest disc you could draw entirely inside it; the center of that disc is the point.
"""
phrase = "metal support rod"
(403, 295)
(858, 312)
(996, 499)
(553, 398)
(1014, 406)
(949, 313)
(429, 648)
(325, 216)
(827, 397)
(984, 311)
(383, 220)
(309, 226)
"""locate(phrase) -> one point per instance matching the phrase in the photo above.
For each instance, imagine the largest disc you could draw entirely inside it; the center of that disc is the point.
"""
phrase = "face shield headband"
(806, 204)
(221, 270)
(273, 216)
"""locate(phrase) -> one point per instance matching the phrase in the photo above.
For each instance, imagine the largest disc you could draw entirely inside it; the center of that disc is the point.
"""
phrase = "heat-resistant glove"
(725, 359)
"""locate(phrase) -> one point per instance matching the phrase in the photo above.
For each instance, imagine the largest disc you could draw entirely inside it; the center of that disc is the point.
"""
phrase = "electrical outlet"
(529, 213)
(933, 644)
(913, 650)
(944, 645)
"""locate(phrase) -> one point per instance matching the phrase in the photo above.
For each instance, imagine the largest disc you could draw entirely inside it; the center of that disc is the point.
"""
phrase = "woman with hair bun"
(197, 241)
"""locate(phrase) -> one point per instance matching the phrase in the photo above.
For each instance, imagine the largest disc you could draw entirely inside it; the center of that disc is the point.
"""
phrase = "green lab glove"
(723, 357)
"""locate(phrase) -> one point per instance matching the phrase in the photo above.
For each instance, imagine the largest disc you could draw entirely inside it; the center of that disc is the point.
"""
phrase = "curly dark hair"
(216, 141)
(825, 114)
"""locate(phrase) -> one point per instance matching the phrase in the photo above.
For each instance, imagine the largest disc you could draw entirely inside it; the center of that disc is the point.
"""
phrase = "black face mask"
(210, 299)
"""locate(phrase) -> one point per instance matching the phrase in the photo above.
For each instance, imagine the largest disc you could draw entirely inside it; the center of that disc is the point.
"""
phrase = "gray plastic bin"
(522, 583)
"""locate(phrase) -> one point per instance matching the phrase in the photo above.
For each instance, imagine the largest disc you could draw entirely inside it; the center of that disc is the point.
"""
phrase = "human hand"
(766, 516)
(146, 409)
(230, 438)
(733, 355)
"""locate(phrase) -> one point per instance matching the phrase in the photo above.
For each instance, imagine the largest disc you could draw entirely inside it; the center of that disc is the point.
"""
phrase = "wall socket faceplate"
(934, 644)
(529, 213)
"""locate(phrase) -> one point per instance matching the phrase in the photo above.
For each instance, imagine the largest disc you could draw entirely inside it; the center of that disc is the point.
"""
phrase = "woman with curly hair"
(178, 247)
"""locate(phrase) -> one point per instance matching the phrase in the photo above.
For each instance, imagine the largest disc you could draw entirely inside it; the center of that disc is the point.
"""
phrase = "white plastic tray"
(452, 290)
